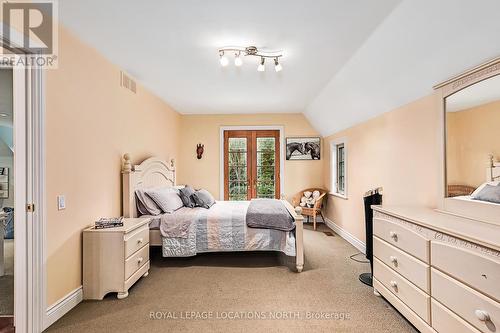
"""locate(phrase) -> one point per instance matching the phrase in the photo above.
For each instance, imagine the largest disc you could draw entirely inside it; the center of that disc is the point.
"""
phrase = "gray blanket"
(269, 214)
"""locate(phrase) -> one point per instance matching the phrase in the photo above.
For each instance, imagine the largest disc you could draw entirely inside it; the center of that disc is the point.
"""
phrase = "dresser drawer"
(408, 293)
(136, 240)
(402, 238)
(411, 268)
(444, 321)
(136, 261)
(467, 303)
(475, 270)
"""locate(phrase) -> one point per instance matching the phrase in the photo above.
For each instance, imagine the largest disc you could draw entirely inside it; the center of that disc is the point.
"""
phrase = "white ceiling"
(421, 43)
(345, 61)
(171, 46)
(484, 92)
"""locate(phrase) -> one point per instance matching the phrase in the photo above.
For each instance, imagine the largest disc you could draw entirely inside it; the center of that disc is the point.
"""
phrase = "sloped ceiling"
(345, 61)
(421, 43)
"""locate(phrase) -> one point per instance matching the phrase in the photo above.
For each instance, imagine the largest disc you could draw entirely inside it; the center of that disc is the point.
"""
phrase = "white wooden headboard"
(493, 170)
(150, 173)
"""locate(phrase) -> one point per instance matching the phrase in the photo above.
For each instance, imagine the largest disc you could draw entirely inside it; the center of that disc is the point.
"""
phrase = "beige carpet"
(245, 293)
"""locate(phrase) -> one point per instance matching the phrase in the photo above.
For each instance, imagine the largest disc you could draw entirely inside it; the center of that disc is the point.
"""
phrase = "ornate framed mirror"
(470, 127)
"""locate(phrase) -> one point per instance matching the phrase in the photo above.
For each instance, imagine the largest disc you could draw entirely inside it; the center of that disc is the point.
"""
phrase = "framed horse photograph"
(303, 148)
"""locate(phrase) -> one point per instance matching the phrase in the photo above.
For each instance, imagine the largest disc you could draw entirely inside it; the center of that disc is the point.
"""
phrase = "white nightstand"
(115, 258)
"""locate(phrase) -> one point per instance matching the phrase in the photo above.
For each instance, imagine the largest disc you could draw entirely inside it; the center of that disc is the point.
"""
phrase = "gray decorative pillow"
(489, 193)
(166, 198)
(203, 198)
(186, 196)
(146, 205)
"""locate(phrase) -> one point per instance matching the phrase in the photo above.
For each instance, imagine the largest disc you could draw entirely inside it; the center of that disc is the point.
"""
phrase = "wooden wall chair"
(313, 211)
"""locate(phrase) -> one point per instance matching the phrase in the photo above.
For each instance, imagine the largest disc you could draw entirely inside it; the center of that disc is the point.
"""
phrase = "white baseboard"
(346, 235)
(63, 306)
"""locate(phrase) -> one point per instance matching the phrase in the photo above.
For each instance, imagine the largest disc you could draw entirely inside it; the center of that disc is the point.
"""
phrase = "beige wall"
(205, 129)
(91, 121)
(399, 151)
(472, 134)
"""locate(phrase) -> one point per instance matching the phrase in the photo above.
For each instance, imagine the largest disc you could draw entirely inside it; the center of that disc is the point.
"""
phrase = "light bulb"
(261, 67)
(277, 66)
(237, 60)
(223, 60)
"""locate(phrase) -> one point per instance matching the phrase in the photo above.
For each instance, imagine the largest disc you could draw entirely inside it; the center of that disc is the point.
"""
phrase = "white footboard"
(299, 233)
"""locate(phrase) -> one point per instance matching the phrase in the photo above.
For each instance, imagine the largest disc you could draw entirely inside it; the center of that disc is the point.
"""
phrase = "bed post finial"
(491, 160)
(172, 163)
(298, 210)
(127, 166)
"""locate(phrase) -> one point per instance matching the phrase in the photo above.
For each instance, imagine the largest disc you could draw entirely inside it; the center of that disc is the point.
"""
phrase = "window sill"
(342, 196)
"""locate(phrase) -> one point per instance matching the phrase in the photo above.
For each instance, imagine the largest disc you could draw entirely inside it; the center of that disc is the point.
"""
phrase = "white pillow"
(146, 205)
(167, 198)
(480, 188)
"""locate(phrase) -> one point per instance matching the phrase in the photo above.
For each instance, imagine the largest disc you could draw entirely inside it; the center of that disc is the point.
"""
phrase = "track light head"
(277, 65)
(223, 59)
(237, 59)
(261, 67)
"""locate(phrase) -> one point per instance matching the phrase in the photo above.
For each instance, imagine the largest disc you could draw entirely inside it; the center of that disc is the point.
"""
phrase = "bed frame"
(493, 170)
(157, 172)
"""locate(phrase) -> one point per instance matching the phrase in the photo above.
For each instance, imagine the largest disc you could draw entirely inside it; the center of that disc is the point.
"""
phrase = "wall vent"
(127, 82)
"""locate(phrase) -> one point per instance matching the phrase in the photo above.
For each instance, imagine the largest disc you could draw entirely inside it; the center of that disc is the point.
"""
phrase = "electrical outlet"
(61, 202)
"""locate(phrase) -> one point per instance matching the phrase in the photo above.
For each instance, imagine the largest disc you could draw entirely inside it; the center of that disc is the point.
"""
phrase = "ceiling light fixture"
(250, 51)
(223, 59)
(237, 59)
(262, 67)
(277, 65)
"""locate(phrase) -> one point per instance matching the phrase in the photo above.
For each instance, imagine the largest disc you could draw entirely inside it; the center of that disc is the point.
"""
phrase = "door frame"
(29, 240)
(281, 129)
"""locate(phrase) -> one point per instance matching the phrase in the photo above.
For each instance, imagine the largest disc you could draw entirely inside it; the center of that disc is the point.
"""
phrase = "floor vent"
(127, 82)
(329, 233)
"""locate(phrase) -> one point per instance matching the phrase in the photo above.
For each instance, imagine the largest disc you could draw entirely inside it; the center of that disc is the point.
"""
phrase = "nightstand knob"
(139, 241)
(394, 235)
(394, 285)
(394, 260)
(482, 315)
(139, 260)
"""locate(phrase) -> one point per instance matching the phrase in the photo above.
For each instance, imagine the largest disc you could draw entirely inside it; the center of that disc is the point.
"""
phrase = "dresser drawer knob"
(394, 285)
(139, 260)
(140, 241)
(394, 260)
(482, 315)
(393, 235)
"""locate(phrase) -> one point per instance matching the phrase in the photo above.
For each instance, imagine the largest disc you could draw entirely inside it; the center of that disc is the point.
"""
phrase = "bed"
(492, 178)
(221, 228)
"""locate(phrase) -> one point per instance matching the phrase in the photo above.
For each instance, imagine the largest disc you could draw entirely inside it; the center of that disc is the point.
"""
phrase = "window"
(338, 162)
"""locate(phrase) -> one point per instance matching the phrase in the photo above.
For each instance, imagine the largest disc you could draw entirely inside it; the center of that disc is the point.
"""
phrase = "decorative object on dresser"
(307, 148)
(311, 202)
(442, 272)
(115, 258)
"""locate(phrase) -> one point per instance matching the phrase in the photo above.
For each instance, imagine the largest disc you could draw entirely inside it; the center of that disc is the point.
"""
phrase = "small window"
(339, 168)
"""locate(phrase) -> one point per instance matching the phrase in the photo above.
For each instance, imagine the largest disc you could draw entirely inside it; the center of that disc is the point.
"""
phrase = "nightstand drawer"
(136, 261)
(136, 240)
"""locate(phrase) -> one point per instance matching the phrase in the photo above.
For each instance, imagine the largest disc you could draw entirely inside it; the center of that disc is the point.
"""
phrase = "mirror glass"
(472, 137)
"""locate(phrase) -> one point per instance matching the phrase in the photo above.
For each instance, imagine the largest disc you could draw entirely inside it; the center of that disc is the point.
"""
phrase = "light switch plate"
(61, 202)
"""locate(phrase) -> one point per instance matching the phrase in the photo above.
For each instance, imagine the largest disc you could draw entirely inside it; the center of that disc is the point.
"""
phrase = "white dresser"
(440, 271)
(114, 259)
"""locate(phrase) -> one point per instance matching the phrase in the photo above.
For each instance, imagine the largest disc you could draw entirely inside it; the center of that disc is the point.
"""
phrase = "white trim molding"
(353, 240)
(63, 306)
(250, 128)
